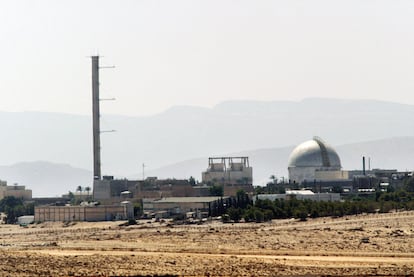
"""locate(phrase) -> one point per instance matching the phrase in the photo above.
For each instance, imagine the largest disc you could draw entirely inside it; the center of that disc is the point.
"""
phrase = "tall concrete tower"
(96, 119)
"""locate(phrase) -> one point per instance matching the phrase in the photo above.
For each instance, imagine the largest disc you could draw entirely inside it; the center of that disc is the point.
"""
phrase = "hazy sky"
(202, 52)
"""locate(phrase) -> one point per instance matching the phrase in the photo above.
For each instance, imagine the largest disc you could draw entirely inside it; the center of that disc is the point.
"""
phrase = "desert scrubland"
(379, 244)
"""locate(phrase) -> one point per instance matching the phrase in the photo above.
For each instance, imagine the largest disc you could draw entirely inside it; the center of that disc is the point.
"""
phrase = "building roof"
(205, 199)
(314, 153)
(300, 192)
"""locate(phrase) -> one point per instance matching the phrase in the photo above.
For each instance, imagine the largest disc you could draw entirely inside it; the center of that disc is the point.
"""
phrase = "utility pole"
(143, 172)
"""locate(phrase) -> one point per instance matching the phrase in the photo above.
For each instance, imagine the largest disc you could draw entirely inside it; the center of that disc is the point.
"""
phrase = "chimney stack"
(363, 165)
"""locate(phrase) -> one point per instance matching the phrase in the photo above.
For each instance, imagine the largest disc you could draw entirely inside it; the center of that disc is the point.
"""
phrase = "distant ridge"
(50, 179)
(45, 178)
(184, 132)
(393, 153)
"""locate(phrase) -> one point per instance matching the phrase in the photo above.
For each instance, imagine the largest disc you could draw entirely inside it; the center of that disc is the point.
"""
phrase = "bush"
(259, 216)
(268, 215)
(178, 217)
(225, 218)
(301, 214)
(234, 214)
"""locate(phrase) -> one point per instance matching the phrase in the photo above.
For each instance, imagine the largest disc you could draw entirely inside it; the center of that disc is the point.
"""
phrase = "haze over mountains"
(183, 133)
(393, 153)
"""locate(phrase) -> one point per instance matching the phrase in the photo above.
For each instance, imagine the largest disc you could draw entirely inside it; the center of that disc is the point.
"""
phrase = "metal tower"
(96, 119)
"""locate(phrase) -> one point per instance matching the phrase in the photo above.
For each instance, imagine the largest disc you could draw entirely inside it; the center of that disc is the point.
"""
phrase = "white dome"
(314, 153)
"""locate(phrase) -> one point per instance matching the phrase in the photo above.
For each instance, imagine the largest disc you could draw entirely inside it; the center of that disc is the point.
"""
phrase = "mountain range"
(168, 142)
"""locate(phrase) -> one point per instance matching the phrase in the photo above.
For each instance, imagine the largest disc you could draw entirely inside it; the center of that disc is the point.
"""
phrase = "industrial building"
(233, 173)
(300, 195)
(228, 170)
(110, 190)
(316, 165)
(15, 191)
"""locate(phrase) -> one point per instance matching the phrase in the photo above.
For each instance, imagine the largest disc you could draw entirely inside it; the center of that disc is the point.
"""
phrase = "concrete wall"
(80, 213)
(300, 174)
(331, 175)
(311, 173)
(101, 189)
(231, 190)
(108, 192)
(59, 213)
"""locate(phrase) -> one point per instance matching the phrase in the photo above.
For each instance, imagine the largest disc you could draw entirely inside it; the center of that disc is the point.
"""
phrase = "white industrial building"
(300, 195)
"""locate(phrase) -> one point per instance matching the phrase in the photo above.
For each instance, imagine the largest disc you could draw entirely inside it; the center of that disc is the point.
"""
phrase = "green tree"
(138, 211)
(13, 207)
(242, 199)
(192, 181)
(259, 216)
(88, 189)
(337, 189)
(409, 184)
(216, 190)
(259, 190)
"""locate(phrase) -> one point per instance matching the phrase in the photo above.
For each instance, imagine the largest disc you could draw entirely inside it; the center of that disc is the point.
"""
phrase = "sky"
(202, 53)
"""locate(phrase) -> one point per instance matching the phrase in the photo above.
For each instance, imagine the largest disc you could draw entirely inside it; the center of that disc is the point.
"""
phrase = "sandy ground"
(380, 244)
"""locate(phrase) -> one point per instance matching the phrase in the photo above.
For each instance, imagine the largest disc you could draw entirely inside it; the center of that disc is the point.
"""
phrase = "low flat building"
(300, 195)
(83, 213)
(180, 205)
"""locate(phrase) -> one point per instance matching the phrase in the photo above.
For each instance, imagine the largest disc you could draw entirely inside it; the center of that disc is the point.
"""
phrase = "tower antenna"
(96, 118)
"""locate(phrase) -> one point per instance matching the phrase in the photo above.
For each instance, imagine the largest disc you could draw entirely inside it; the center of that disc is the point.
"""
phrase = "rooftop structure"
(228, 170)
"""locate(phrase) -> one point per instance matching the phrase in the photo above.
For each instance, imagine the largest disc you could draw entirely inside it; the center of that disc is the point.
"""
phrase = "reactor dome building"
(315, 160)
